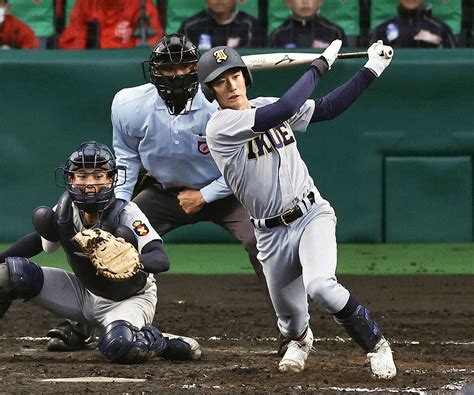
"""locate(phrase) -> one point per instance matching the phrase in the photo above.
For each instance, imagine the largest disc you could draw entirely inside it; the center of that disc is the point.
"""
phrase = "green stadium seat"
(345, 13)
(38, 15)
(449, 11)
(179, 10)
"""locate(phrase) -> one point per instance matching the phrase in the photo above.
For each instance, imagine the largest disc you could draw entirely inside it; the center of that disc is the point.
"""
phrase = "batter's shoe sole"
(381, 360)
(296, 354)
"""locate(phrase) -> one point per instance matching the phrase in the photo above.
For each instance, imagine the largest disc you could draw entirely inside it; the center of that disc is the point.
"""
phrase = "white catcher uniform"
(268, 176)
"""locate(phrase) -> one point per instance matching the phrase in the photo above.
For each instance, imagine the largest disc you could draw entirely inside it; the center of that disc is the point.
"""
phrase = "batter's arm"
(283, 109)
(341, 98)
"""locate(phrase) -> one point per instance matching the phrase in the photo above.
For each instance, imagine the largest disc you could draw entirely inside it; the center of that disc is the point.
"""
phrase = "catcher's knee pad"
(362, 328)
(121, 342)
(20, 278)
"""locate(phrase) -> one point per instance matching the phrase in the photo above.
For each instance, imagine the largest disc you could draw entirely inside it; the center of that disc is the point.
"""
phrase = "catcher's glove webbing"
(112, 258)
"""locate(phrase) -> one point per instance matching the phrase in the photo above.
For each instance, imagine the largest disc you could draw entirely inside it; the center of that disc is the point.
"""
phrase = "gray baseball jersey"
(265, 170)
(268, 175)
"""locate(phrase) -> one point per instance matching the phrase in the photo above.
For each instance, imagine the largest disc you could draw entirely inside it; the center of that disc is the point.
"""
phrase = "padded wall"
(51, 101)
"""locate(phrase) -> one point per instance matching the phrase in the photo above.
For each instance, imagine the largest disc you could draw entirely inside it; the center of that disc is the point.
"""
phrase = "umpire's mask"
(177, 91)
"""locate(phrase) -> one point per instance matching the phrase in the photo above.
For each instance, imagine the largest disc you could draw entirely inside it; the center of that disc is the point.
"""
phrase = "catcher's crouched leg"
(121, 342)
(71, 336)
(19, 278)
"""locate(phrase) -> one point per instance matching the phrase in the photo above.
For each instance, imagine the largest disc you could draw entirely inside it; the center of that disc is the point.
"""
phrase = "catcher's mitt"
(112, 259)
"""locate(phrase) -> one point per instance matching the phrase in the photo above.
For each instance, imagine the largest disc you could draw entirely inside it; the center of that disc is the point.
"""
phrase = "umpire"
(162, 127)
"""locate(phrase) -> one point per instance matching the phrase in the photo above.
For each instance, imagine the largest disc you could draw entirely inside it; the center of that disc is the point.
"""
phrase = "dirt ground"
(428, 319)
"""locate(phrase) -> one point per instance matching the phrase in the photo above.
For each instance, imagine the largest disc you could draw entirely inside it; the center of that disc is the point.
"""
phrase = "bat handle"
(386, 53)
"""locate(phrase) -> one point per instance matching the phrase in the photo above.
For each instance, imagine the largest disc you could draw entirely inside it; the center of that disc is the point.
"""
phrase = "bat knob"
(387, 52)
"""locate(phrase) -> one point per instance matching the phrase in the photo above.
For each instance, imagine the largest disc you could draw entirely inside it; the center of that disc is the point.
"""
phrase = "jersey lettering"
(274, 138)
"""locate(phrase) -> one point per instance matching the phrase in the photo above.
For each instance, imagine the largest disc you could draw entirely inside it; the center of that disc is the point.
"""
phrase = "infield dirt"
(428, 319)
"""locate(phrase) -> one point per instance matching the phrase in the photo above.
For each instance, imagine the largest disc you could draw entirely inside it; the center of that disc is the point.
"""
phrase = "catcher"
(113, 253)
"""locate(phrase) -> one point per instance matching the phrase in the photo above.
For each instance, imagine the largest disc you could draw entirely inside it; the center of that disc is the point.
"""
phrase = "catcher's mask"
(177, 91)
(91, 159)
(217, 61)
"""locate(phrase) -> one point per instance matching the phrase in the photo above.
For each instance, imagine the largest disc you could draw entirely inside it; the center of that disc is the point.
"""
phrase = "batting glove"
(324, 62)
(380, 57)
(330, 53)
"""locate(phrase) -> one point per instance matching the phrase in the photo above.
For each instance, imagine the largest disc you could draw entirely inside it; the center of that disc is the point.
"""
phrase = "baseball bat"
(272, 61)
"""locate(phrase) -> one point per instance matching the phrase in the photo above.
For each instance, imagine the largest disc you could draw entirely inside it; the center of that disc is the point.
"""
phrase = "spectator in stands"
(414, 27)
(221, 23)
(110, 24)
(13, 32)
(305, 27)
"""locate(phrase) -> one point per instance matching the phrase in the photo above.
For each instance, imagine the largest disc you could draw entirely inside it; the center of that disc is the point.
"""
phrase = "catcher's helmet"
(91, 157)
(175, 90)
(218, 60)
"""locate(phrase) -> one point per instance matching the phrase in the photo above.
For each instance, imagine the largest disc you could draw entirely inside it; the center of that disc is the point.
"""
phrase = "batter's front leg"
(318, 253)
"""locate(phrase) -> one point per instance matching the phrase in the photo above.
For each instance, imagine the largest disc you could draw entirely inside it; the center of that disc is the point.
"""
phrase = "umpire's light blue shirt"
(172, 148)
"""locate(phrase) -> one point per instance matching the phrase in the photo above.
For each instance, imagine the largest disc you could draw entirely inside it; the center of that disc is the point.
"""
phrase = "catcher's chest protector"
(81, 266)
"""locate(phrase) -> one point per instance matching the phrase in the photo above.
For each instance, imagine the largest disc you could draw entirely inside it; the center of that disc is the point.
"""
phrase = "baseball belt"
(287, 217)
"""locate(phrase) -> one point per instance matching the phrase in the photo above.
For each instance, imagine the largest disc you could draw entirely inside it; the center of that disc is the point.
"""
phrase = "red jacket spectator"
(15, 34)
(115, 21)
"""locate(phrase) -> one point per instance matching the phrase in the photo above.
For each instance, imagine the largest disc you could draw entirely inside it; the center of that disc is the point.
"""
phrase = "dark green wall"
(397, 166)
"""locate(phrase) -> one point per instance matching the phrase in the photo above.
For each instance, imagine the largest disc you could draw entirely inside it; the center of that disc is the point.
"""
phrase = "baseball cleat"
(65, 337)
(282, 345)
(181, 348)
(57, 344)
(381, 360)
(296, 354)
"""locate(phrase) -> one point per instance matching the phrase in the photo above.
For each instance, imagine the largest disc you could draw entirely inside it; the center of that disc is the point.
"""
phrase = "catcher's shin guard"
(121, 342)
(362, 328)
(19, 278)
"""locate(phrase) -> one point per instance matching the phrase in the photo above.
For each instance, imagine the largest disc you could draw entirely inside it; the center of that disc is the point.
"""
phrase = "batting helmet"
(217, 61)
(91, 157)
(175, 90)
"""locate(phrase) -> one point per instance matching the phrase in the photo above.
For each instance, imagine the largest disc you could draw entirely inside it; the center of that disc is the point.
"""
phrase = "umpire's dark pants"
(165, 214)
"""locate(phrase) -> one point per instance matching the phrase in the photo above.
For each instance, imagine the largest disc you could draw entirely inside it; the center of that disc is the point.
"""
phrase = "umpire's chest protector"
(82, 267)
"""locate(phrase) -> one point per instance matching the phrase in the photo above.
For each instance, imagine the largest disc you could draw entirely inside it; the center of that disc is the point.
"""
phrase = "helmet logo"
(220, 56)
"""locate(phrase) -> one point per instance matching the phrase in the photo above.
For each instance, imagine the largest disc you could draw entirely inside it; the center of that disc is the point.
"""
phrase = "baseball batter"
(124, 309)
(254, 146)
